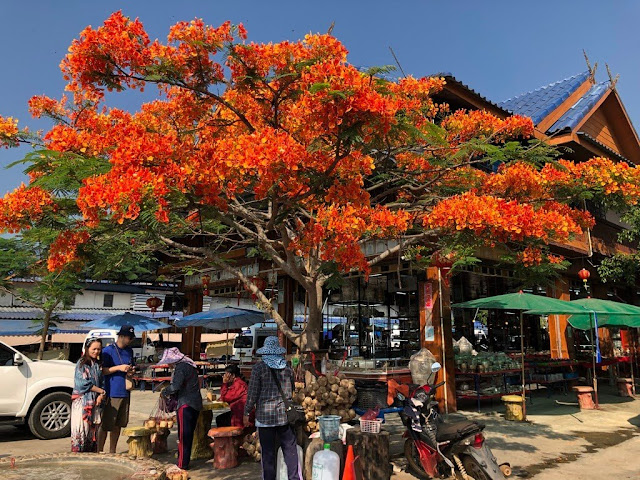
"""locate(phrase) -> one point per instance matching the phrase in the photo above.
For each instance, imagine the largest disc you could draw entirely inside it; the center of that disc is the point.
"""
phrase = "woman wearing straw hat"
(271, 380)
(184, 384)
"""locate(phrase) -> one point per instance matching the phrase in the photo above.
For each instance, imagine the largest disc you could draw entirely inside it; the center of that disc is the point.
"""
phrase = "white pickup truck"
(36, 394)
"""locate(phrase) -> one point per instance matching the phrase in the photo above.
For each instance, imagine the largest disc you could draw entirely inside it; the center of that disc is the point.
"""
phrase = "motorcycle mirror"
(435, 367)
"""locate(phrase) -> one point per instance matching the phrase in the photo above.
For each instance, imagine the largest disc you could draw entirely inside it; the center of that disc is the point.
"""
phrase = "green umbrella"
(521, 302)
(609, 314)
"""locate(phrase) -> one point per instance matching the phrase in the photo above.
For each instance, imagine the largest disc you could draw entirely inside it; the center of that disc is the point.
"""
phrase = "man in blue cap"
(117, 363)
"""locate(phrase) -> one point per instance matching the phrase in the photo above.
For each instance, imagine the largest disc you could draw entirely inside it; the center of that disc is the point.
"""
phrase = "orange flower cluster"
(117, 48)
(463, 126)
(518, 180)
(499, 220)
(337, 232)
(599, 174)
(8, 131)
(18, 209)
(40, 105)
(532, 256)
(64, 249)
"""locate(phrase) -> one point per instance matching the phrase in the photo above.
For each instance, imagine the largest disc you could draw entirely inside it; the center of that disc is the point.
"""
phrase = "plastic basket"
(370, 426)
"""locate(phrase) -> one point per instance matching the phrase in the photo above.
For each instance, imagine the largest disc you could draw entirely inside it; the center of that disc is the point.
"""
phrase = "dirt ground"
(558, 440)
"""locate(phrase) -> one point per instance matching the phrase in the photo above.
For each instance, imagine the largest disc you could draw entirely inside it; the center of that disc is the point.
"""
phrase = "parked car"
(36, 394)
(146, 352)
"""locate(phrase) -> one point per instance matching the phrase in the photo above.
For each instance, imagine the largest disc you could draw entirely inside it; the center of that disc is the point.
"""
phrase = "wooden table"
(200, 448)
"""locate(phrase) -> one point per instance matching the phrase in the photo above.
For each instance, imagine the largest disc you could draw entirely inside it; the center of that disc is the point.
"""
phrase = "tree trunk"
(310, 338)
(45, 333)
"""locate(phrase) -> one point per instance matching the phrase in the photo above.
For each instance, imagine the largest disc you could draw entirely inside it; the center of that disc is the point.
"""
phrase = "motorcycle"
(436, 449)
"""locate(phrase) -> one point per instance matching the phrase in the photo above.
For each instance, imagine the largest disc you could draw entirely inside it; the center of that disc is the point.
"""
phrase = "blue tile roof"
(541, 102)
(576, 113)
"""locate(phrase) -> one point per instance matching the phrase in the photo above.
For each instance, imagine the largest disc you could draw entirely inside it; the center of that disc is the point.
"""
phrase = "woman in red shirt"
(234, 392)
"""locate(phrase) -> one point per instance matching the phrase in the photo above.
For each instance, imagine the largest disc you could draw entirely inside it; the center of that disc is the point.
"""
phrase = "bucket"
(329, 427)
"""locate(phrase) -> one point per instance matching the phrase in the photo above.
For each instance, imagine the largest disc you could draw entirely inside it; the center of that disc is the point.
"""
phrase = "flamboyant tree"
(287, 149)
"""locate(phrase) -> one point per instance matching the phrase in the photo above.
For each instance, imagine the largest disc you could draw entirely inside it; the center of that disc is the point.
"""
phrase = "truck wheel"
(50, 417)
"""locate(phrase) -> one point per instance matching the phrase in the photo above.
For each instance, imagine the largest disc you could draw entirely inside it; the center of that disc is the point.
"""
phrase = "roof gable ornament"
(592, 70)
(612, 80)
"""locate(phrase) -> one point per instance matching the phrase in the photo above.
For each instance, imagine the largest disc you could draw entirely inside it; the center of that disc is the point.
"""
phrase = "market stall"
(598, 313)
(519, 302)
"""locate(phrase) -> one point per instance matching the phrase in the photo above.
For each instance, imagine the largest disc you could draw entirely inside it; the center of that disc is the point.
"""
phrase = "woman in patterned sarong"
(87, 398)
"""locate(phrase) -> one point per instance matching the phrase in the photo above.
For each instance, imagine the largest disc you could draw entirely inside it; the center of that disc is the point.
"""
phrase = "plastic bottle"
(326, 465)
(281, 470)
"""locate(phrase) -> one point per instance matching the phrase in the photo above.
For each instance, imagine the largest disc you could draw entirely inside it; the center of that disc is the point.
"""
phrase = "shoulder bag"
(128, 383)
(295, 413)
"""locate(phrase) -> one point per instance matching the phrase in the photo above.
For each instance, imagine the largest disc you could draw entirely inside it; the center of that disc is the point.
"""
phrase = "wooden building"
(579, 113)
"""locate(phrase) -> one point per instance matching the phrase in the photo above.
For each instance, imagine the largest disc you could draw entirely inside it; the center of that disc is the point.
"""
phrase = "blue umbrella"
(223, 318)
(139, 323)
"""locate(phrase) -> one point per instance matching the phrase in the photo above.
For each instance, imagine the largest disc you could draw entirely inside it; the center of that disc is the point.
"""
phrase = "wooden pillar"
(436, 334)
(285, 307)
(560, 344)
(191, 335)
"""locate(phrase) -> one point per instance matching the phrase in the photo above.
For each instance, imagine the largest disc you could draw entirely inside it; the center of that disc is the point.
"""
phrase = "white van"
(251, 339)
(147, 351)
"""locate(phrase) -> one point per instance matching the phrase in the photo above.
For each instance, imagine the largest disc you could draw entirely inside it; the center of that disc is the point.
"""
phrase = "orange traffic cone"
(349, 470)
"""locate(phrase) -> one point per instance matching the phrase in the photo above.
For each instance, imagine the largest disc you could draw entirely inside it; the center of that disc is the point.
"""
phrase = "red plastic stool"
(225, 448)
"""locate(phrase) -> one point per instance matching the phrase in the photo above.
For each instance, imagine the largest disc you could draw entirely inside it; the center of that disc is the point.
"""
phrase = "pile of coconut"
(252, 446)
(326, 395)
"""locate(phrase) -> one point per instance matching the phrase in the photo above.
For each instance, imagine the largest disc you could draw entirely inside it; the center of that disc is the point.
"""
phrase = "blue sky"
(499, 48)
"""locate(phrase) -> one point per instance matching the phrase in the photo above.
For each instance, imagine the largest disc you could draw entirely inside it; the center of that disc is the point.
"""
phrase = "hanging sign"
(429, 331)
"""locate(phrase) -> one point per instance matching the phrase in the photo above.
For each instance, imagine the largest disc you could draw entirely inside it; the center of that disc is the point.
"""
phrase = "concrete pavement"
(558, 440)
(621, 462)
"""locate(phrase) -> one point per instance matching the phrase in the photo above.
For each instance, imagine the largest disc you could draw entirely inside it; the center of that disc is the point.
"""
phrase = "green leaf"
(316, 87)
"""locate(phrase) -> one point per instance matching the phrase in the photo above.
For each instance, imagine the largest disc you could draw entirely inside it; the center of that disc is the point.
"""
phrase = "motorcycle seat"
(448, 432)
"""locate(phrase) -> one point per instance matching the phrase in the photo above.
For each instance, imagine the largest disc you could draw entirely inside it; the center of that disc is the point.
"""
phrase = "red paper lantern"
(584, 274)
(205, 279)
(153, 303)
